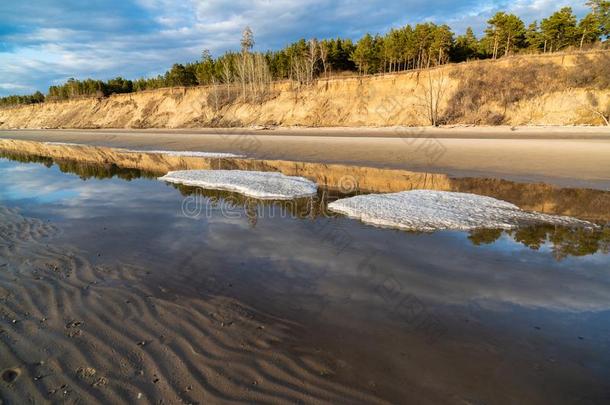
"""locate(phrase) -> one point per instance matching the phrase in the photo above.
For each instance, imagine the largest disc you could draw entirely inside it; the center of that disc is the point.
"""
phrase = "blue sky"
(44, 42)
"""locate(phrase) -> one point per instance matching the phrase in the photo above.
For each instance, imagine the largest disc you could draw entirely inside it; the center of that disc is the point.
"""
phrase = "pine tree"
(466, 47)
(534, 39)
(559, 30)
(589, 29)
(504, 34)
(601, 9)
(363, 54)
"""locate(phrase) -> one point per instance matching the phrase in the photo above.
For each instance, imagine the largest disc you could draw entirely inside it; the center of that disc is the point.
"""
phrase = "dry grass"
(591, 73)
(486, 91)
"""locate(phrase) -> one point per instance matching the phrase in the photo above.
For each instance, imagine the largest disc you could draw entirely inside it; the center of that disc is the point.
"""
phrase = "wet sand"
(564, 156)
(73, 330)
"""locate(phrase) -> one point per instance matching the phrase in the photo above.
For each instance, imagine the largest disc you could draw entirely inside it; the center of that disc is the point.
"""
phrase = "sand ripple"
(72, 331)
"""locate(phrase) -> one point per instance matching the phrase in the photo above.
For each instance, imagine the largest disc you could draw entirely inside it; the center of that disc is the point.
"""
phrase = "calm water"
(493, 316)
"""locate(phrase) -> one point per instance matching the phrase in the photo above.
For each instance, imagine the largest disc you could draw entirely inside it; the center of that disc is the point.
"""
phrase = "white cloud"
(13, 86)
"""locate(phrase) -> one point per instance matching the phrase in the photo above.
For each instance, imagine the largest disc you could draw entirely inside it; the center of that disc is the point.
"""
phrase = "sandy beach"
(565, 156)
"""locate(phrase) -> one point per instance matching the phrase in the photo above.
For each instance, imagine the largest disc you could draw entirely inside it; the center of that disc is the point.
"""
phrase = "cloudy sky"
(44, 42)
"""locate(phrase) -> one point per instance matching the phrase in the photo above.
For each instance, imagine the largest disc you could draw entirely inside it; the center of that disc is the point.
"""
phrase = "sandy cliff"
(387, 100)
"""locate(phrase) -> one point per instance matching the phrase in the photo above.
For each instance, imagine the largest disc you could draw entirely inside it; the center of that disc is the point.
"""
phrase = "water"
(486, 316)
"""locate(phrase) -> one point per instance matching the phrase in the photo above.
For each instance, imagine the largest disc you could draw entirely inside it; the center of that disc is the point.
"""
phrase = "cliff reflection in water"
(562, 242)
(84, 170)
(582, 203)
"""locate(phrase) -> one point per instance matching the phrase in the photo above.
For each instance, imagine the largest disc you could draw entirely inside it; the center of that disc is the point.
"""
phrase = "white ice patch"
(427, 210)
(63, 144)
(211, 155)
(263, 185)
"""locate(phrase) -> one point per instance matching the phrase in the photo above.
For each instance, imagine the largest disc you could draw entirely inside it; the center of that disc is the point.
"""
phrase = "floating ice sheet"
(211, 155)
(427, 210)
(263, 185)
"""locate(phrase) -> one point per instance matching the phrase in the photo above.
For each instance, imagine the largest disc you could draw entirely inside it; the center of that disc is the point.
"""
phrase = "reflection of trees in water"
(102, 171)
(26, 158)
(480, 237)
(84, 170)
(564, 241)
(254, 208)
(579, 242)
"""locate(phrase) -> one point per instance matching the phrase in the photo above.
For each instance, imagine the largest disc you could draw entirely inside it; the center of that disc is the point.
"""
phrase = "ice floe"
(211, 155)
(263, 185)
(428, 210)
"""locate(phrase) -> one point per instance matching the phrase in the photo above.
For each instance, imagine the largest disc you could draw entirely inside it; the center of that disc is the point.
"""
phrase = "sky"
(45, 42)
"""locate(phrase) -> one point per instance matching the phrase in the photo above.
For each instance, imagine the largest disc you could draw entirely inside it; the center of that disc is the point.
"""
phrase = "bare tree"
(324, 56)
(247, 40)
(252, 69)
(298, 68)
(435, 85)
(227, 74)
(215, 94)
(261, 76)
(312, 59)
(244, 61)
(242, 72)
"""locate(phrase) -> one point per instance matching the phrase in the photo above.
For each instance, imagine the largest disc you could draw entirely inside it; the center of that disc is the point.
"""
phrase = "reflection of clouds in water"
(23, 182)
(17, 169)
(443, 268)
(69, 195)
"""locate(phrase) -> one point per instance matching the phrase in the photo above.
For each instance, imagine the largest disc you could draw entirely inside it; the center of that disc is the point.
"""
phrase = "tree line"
(8, 101)
(409, 47)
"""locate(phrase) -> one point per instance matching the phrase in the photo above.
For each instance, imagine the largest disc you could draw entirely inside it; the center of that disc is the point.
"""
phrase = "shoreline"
(562, 156)
(584, 203)
(441, 132)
